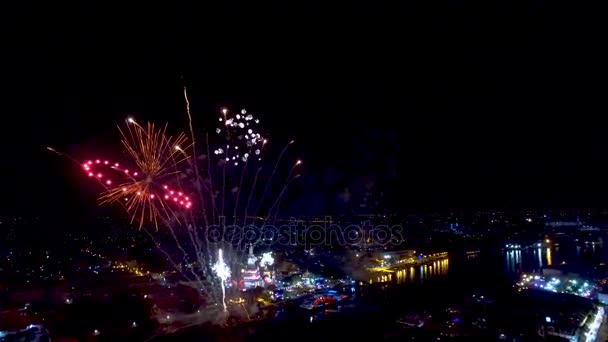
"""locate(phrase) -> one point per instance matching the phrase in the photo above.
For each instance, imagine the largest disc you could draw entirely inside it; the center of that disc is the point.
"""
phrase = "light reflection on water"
(488, 264)
(534, 259)
(415, 274)
(528, 260)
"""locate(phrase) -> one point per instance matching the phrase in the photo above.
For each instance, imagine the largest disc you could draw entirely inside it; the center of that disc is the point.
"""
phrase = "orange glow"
(154, 156)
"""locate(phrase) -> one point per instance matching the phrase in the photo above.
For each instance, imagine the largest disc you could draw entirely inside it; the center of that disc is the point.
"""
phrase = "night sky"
(462, 104)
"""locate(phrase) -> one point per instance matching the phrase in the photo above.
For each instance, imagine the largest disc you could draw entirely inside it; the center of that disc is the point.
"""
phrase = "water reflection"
(534, 259)
(527, 260)
(437, 268)
(514, 260)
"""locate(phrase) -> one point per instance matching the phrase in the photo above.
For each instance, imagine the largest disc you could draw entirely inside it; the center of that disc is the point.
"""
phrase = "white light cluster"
(240, 130)
(267, 260)
(220, 268)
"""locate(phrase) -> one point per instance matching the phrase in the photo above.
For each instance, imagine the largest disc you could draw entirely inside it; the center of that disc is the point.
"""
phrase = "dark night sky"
(472, 103)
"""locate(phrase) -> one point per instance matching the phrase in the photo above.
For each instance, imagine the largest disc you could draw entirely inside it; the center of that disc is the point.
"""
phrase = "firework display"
(161, 187)
(111, 179)
(242, 136)
(142, 189)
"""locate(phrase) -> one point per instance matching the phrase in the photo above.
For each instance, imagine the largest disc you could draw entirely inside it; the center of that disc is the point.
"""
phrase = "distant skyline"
(446, 106)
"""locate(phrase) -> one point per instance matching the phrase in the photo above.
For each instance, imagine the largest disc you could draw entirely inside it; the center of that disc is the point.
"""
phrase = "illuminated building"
(251, 274)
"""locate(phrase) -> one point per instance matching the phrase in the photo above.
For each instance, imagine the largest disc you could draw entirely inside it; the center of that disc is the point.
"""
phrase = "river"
(487, 272)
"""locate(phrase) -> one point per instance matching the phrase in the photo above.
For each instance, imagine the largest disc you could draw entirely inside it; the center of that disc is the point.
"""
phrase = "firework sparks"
(222, 271)
(267, 259)
(243, 137)
(89, 168)
(156, 157)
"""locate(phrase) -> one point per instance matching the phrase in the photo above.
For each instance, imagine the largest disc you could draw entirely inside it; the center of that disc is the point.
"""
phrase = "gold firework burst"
(157, 156)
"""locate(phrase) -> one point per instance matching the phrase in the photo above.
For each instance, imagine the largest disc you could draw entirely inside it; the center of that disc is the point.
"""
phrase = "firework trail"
(62, 154)
(251, 192)
(274, 171)
(199, 183)
(193, 142)
(279, 198)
